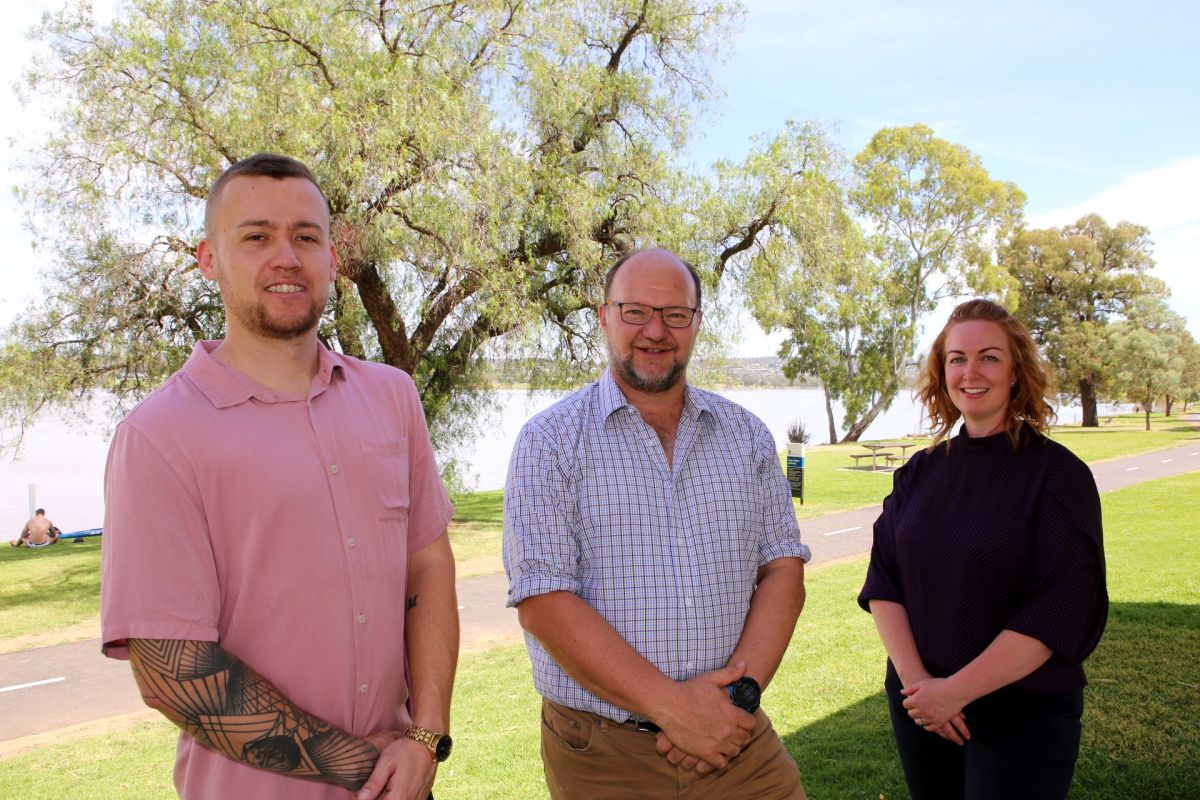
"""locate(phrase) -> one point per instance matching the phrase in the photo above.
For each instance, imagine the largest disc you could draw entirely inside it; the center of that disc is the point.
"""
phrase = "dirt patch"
(88, 629)
(474, 567)
(96, 727)
(488, 641)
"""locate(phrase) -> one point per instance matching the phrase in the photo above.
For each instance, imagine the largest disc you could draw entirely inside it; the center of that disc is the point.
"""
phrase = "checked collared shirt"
(667, 553)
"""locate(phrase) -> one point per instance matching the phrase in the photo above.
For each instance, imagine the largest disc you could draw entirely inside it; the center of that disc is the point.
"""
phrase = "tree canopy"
(1146, 353)
(914, 219)
(484, 163)
(1072, 282)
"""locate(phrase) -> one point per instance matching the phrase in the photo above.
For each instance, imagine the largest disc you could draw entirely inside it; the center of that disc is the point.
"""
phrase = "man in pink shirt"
(275, 561)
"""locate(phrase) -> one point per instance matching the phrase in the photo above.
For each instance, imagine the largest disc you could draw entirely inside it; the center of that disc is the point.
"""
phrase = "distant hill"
(732, 373)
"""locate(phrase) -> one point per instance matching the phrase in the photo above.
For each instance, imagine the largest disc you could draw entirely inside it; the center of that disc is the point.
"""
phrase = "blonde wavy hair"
(1027, 404)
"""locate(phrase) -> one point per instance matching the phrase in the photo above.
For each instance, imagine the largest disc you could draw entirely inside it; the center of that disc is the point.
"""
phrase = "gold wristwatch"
(439, 744)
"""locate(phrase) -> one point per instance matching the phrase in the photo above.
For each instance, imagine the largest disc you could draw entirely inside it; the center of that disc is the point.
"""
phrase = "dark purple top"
(976, 538)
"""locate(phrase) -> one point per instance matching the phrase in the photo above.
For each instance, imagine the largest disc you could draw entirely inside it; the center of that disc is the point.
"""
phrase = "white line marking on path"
(1168, 460)
(1194, 454)
(843, 530)
(1131, 469)
(31, 685)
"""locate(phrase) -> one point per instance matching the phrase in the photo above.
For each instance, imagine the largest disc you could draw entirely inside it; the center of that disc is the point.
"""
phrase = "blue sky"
(1087, 106)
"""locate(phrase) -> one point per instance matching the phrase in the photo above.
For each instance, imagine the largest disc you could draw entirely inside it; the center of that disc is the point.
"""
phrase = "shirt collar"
(224, 386)
(695, 404)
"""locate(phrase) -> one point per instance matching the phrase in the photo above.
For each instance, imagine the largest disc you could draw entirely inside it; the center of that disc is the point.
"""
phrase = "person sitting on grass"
(38, 532)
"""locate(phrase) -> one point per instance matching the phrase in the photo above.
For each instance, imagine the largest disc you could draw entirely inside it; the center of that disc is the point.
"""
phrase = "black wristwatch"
(745, 694)
(439, 744)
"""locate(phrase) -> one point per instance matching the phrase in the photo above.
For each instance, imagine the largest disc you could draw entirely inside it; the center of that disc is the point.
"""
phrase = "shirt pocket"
(387, 471)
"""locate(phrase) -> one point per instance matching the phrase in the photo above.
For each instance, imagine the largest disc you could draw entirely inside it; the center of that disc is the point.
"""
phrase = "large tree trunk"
(860, 426)
(1168, 401)
(829, 414)
(1149, 404)
(1087, 399)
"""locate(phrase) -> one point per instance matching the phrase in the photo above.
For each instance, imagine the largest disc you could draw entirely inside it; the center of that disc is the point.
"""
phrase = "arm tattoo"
(221, 702)
(410, 603)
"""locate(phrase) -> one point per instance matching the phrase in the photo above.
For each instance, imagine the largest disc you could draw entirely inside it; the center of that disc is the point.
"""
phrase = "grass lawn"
(1143, 703)
(59, 586)
(829, 485)
(55, 587)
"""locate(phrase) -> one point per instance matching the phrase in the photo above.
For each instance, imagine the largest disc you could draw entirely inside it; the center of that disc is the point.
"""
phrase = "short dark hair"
(259, 165)
(40, 511)
(612, 272)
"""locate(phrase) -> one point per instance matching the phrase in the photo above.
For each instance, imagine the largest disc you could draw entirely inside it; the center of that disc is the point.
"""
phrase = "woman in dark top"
(986, 579)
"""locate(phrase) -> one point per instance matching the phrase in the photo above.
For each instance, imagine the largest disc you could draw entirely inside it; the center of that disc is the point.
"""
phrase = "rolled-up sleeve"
(541, 552)
(780, 531)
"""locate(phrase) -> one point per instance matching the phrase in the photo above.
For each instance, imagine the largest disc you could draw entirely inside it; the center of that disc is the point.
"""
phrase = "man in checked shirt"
(655, 562)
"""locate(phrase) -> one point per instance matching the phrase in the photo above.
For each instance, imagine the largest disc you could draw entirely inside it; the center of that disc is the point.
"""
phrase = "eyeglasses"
(640, 314)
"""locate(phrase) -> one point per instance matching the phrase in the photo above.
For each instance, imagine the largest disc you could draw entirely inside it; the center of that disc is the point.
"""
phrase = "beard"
(254, 317)
(650, 384)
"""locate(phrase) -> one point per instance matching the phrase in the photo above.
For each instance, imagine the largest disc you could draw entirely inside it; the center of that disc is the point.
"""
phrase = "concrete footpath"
(67, 687)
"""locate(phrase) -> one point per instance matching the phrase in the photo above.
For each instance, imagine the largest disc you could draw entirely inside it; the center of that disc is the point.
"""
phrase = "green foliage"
(1072, 283)
(937, 215)
(484, 162)
(852, 300)
(1146, 352)
(1189, 376)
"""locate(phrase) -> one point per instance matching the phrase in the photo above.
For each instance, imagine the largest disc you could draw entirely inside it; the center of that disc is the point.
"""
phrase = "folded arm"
(224, 704)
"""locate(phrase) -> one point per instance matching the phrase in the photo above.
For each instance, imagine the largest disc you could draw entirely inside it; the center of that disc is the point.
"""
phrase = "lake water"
(65, 460)
(485, 461)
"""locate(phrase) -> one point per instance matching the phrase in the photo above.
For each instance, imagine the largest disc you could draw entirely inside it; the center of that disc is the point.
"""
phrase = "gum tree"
(484, 162)
(934, 218)
(1073, 282)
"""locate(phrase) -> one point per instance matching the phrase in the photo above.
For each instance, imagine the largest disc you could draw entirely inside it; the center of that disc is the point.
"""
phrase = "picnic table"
(902, 446)
(876, 449)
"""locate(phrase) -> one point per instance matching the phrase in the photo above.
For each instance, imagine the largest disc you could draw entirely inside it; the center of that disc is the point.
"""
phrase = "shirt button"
(688, 602)
(681, 541)
(690, 665)
(362, 689)
(334, 468)
(362, 617)
(350, 542)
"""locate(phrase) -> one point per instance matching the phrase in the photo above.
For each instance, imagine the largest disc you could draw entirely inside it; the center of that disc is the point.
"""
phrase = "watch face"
(444, 746)
(745, 694)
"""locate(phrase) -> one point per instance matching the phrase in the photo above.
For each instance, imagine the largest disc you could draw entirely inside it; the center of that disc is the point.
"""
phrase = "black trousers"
(1023, 745)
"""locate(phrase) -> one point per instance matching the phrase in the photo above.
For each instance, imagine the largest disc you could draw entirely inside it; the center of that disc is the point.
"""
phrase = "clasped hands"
(703, 729)
(933, 704)
(404, 770)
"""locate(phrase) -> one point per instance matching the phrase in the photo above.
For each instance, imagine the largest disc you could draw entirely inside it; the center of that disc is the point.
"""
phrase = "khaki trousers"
(587, 757)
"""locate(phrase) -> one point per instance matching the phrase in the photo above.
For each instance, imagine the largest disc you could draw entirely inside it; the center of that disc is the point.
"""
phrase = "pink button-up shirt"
(281, 528)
